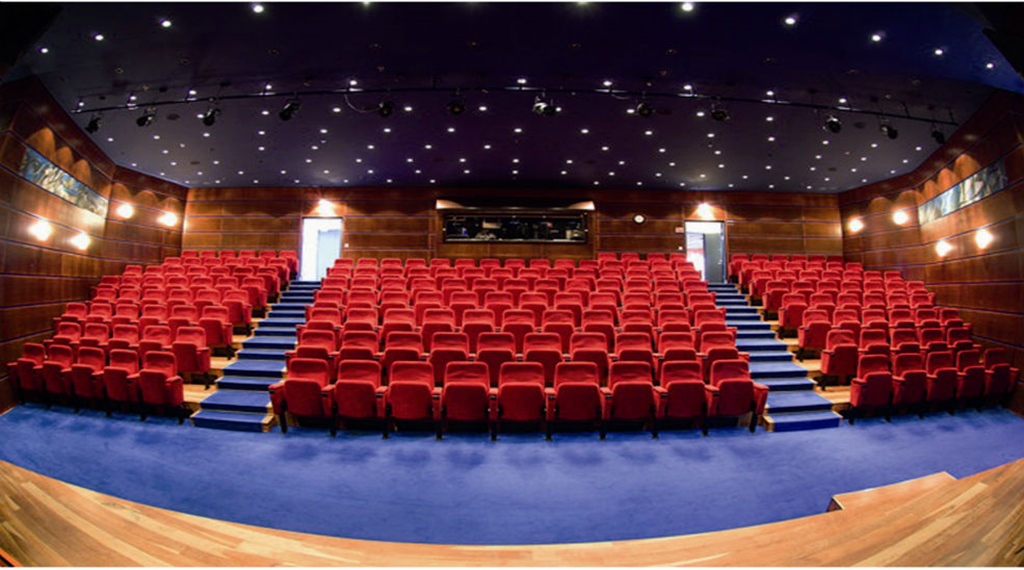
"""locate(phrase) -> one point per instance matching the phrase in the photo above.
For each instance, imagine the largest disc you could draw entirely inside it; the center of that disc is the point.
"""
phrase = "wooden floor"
(935, 521)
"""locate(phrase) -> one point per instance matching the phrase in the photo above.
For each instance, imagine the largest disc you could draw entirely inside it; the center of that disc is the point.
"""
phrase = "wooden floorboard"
(975, 521)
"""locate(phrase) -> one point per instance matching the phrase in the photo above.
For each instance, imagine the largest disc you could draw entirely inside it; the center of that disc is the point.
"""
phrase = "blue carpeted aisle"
(241, 400)
(792, 403)
(517, 490)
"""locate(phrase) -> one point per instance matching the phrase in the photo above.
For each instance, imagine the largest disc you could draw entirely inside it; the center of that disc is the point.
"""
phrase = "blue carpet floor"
(518, 490)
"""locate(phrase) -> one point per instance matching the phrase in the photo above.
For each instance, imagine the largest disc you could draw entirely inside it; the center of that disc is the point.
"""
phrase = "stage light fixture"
(456, 107)
(147, 118)
(719, 114)
(210, 116)
(545, 108)
(385, 108)
(289, 110)
(889, 131)
(833, 124)
(644, 109)
(938, 135)
(94, 125)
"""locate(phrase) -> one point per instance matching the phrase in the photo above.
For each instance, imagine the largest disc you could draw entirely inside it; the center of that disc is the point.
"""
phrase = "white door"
(321, 246)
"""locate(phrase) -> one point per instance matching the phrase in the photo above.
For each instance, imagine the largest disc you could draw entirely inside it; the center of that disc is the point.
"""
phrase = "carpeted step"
(741, 317)
(248, 383)
(271, 330)
(261, 368)
(247, 401)
(262, 354)
(787, 384)
(232, 421)
(271, 342)
(793, 401)
(288, 306)
(767, 343)
(759, 334)
(768, 356)
(802, 421)
(759, 370)
(278, 322)
(748, 324)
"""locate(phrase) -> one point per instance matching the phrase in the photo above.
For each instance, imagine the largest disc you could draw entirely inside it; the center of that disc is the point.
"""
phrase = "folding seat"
(330, 294)
(95, 335)
(674, 320)
(74, 312)
(361, 297)
(239, 311)
(546, 349)
(192, 354)
(411, 395)
(55, 372)
(100, 312)
(959, 339)
(155, 338)
(401, 345)
(1000, 377)
(909, 382)
(576, 397)
(357, 396)
(363, 340)
(214, 322)
(731, 393)
(476, 322)
(436, 320)
(26, 372)
(105, 294)
(471, 274)
(159, 386)
(519, 322)
(521, 398)
(812, 336)
(635, 346)
(205, 296)
(932, 339)
(681, 393)
(591, 347)
(466, 395)
(600, 321)
(904, 340)
(839, 358)
(358, 318)
(119, 378)
(703, 316)
(303, 394)
(68, 333)
(950, 317)
(630, 394)
(439, 356)
(560, 322)
(637, 320)
(874, 341)
(677, 346)
(970, 388)
(943, 378)
(320, 344)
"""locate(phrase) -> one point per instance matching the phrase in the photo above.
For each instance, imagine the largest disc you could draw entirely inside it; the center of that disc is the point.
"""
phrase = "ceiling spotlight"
(147, 118)
(289, 110)
(644, 109)
(542, 107)
(456, 107)
(210, 116)
(889, 131)
(938, 135)
(94, 125)
(833, 124)
(385, 109)
(719, 114)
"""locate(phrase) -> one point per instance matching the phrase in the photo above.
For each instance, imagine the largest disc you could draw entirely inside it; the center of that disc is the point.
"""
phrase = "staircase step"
(752, 334)
(261, 354)
(288, 306)
(246, 383)
(247, 401)
(260, 368)
(792, 401)
(747, 324)
(760, 344)
(271, 342)
(232, 421)
(270, 330)
(802, 421)
(789, 369)
(277, 322)
(787, 384)
(768, 356)
(751, 317)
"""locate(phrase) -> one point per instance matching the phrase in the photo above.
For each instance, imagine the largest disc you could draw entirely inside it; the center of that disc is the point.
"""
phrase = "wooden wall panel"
(987, 286)
(38, 278)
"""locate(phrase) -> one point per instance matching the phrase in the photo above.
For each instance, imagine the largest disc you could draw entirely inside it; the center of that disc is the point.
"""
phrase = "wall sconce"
(705, 212)
(125, 210)
(325, 208)
(639, 218)
(900, 217)
(81, 241)
(983, 238)
(943, 248)
(168, 219)
(855, 225)
(41, 230)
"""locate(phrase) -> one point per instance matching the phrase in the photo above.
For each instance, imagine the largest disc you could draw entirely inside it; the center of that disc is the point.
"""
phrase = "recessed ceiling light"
(428, 146)
(451, 129)
(790, 20)
(607, 83)
(769, 119)
(45, 49)
(521, 81)
(700, 113)
(487, 147)
(648, 133)
(767, 167)
(721, 166)
(877, 36)
(771, 139)
(817, 157)
(568, 161)
(336, 110)
(407, 108)
(482, 108)
(258, 8)
(98, 37)
(604, 148)
(165, 23)
(988, 65)
(517, 130)
(687, 7)
(711, 135)
(939, 51)
(264, 112)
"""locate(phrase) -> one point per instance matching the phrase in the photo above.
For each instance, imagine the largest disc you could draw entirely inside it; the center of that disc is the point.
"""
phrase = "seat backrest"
(590, 341)
(194, 335)
(308, 369)
(359, 371)
(869, 363)
(967, 358)
(318, 338)
(532, 372)
(161, 360)
(681, 370)
(907, 361)
(629, 371)
(869, 336)
(467, 372)
(503, 340)
(456, 340)
(542, 340)
(360, 339)
(839, 336)
(728, 369)
(576, 372)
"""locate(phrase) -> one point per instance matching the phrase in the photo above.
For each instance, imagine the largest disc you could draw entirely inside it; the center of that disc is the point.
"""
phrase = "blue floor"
(518, 490)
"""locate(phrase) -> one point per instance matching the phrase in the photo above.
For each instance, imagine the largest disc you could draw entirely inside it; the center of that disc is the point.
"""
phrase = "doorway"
(321, 246)
(705, 248)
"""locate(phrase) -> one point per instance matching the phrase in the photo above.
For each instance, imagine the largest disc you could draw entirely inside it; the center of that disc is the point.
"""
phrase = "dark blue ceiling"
(596, 61)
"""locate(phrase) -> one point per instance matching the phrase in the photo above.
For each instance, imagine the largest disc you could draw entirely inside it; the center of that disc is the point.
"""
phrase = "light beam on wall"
(81, 241)
(855, 225)
(900, 217)
(125, 210)
(41, 230)
(942, 247)
(983, 238)
(168, 219)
